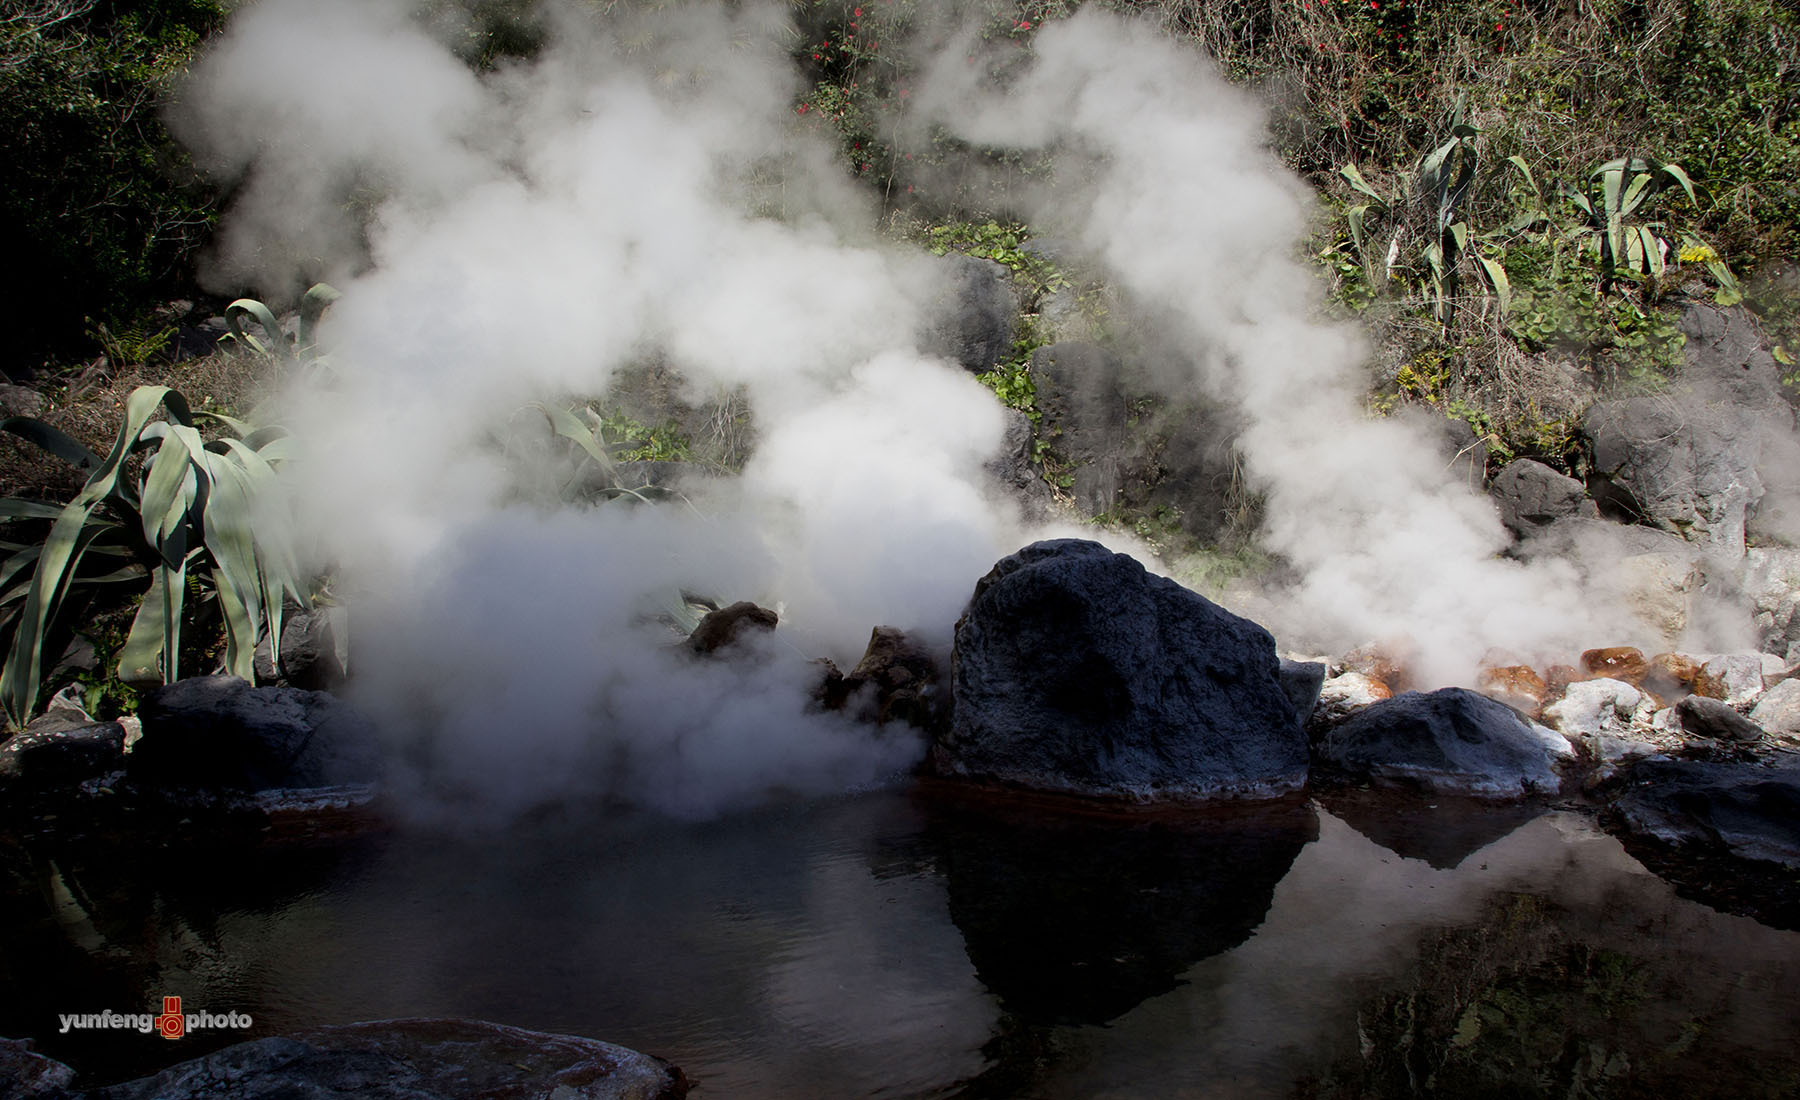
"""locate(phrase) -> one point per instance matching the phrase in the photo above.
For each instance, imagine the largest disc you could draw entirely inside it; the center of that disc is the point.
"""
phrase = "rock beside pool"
(220, 733)
(1452, 741)
(1076, 670)
(1748, 811)
(413, 1060)
(28, 1075)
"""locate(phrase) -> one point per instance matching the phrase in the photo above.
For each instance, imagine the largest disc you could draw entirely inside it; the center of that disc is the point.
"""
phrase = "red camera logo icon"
(171, 1023)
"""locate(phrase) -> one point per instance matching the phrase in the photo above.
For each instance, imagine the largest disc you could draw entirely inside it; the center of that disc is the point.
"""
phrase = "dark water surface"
(900, 945)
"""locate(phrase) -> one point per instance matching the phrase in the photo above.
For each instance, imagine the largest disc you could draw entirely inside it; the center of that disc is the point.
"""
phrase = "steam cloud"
(642, 192)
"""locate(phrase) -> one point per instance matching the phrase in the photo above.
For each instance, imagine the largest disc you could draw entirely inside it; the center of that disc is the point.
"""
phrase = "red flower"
(857, 13)
(800, 110)
(1025, 26)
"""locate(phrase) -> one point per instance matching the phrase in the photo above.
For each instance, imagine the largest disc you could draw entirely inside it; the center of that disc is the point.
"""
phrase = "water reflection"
(894, 945)
(1077, 919)
(1442, 831)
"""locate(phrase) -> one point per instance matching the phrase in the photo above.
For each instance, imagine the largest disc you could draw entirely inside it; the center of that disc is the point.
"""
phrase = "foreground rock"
(1076, 670)
(727, 626)
(1728, 834)
(1531, 496)
(1451, 741)
(412, 1060)
(897, 680)
(223, 734)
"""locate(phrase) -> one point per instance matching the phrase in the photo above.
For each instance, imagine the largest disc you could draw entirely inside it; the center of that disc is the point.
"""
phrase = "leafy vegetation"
(188, 515)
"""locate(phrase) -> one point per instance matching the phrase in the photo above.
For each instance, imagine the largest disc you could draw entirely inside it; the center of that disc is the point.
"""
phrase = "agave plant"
(274, 341)
(1443, 181)
(187, 507)
(1610, 201)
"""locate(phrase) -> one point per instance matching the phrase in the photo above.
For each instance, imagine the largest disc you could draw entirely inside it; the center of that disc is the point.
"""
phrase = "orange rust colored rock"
(1670, 677)
(1616, 663)
(1381, 664)
(1557, 679)
(1518, 686)
(1713, 687)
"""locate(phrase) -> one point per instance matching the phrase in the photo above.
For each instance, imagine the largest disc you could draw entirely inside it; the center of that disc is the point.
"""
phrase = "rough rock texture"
(413, 1060)
(897, 680)
(1623, 663)
(1747, 810)
(1084, 419)
(1451, 741)
(1659, 576)
(1532, 496)
(1302, 681)
(1015, 468)
(1594, 707)
(311, 656)
(976, 319)
(36, 759)
(1076, 670)
(1728, 360)
(25, 1074)
(1736, 678)
(1778, 711)
(1342, 696)
(1518, 686)
(1681, 465)
(1704, 717)
(1462, 451)
(219, 732)
(1771, 579)
(1670, 676)
(728, 625)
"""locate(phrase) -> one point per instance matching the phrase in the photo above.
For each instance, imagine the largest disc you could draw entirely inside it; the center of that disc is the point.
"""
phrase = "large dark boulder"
(222, 733)
(1724, 834)
(413, 1060)
(312, 651)
(1077, 670)
(730, 625)
(1451, 741)
(41, 760)
(977, 317)
(1531, 496)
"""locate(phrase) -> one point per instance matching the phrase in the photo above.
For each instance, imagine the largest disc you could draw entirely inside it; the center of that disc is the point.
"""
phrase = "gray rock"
(312, 651)
(1085, 419)
(1015, 471)
(1778, 711)
(729, 625)
(977, 319)
(20, 401)
(1302, 681)
(413, 1060)
(1342, 696)
(25, 1074)
(1531, 496)
(898, 680)
(1076, 670)
(1451, 741)
(1590, 708)
(1727, 360)
(1737, 678)
(1679, 464)
(1660, 577)
(1703, 717)
(1746, 810)
(1770, 577)
(221, 733)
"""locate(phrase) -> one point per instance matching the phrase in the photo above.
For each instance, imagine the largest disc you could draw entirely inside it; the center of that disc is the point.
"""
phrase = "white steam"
(643, 193)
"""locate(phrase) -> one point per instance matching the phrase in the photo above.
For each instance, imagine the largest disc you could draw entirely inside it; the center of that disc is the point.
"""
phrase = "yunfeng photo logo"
(170, 1023)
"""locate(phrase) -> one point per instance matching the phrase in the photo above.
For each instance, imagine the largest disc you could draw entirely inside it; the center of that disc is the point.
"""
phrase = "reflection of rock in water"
(1078, 919)
(1442, 831)
(1533, 1000)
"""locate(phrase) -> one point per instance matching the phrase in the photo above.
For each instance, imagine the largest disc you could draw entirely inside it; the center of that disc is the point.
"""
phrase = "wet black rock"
(1714, 718)
(222, 733)
(730, 625)
(897, 680)
(413, 1060)
(1015, 470)
(1450, 741)
(1076, 670)
(1725, 834)
(1531, 496)
(1747, 810)
(44, 760)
